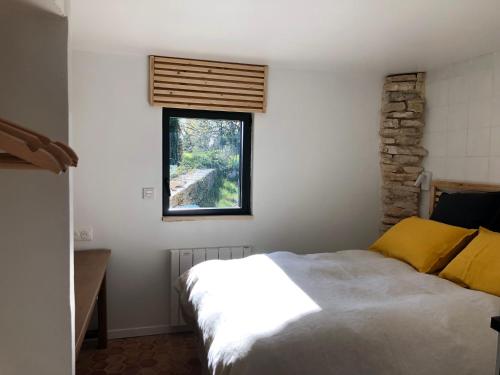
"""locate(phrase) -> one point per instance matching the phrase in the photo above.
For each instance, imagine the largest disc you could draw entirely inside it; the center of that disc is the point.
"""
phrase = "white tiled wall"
(462, 131)
(463, 120)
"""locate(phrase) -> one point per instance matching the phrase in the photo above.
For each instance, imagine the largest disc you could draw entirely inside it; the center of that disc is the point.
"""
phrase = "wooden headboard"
(440, 186)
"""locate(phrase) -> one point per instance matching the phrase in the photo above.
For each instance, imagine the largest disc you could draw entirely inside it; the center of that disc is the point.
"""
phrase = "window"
(206, 162)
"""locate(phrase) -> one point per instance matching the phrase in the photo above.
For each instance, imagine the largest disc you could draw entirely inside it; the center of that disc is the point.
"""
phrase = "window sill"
(206, 217)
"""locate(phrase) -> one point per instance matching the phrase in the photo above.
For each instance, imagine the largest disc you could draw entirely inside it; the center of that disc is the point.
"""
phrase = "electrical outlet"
(148, 193)
(84, 234)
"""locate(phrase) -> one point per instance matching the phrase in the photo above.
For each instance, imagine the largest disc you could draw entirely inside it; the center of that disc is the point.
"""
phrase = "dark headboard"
(440, 186)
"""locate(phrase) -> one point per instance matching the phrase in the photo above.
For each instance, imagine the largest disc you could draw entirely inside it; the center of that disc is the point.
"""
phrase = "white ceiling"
(386, 35)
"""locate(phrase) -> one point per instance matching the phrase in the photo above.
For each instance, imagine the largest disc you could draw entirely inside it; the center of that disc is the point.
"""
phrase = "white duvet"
(352, 312)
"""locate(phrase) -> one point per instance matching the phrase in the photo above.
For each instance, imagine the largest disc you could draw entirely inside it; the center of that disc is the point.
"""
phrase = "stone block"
(394, 107)
(390, 123)
(416, 106)
(403, 177)
(399, 86)
(396, 187)
(409, 204)
(401, 78)
(420, 88)
(416, 170)
(410, 182)
(407, 140)
(403, 150)
(407, 159)
(398, 96)
(399, 211)
(401, 160)
(388, 141)
(402, 132)
(403, 115)
(390, 194)
(412, 123)
(390, 198)
(391, 168)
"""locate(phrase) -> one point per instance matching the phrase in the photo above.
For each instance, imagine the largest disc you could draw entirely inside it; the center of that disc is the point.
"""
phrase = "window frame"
(245, 162)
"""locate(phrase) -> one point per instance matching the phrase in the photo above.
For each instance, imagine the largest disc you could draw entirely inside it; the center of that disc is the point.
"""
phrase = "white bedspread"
(352, 312)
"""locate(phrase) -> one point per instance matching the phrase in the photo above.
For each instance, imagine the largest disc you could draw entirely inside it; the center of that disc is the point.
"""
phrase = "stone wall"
(401, 153)
(194, 188)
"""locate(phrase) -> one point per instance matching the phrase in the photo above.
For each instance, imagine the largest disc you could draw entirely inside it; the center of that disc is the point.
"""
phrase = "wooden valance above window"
(209, 85)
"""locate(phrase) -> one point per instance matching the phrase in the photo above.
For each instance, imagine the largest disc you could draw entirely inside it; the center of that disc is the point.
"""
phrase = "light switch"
(148, 193)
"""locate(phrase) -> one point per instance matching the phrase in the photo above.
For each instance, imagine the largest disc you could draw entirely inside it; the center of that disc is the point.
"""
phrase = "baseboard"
(145, 331)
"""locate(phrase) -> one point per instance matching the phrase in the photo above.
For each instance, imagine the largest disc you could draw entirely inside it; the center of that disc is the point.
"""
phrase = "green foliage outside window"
(208, 144)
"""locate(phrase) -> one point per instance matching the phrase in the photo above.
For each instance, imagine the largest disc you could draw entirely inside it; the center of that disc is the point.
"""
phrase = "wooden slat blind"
(209, 85)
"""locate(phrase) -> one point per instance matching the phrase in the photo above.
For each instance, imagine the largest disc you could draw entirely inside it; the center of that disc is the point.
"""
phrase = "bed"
(349, 312)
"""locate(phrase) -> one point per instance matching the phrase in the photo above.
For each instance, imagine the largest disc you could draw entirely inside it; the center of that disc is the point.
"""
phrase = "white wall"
(315, 176)
(462, 130)
(35, 247)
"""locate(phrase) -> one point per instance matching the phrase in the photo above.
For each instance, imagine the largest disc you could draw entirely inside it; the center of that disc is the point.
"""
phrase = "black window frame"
(245, 161)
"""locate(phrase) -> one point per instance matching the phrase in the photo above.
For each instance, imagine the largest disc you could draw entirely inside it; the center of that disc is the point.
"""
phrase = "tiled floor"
(174, 354)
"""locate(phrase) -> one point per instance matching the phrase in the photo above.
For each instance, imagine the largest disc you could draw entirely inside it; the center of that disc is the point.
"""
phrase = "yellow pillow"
(478, 265)
(427, 245)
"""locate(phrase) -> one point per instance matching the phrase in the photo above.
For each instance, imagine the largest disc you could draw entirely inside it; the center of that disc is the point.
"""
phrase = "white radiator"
(183, 259)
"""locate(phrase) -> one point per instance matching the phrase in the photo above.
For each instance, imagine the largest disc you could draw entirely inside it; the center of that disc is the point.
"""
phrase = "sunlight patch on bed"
(230, 317)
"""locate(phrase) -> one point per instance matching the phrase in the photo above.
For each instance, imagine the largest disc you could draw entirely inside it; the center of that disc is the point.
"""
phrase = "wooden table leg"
(102, 317)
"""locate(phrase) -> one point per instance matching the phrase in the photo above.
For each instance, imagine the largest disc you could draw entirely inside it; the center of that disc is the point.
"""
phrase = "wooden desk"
(90, 286)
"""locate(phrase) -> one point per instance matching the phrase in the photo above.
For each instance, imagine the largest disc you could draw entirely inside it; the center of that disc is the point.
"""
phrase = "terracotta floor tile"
(174, 354)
